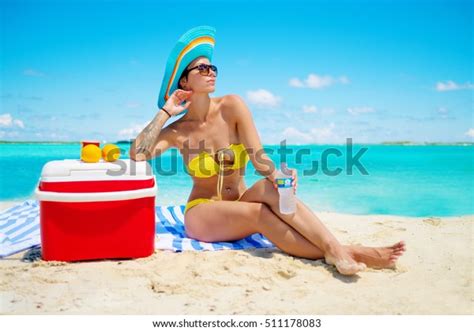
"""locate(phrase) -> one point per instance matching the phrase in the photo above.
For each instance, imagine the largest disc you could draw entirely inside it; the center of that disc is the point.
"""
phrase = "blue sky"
(310, 71)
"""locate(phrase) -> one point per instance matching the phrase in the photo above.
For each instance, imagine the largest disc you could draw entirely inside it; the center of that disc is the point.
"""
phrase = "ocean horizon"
(405, 180)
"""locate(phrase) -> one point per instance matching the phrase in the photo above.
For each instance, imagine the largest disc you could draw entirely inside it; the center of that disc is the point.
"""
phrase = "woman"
(217, 137)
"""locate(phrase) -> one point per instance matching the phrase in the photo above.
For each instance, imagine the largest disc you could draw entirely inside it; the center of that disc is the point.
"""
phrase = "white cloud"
(310, 109)
(327, 111)
(470, 133)
(314, 109)
(451, 86)
(55, 135)
(314, 81)
(291, 133)
(315, 135)
(360, 110)
(295, 82)
(325, 134)
(133, 131)
(263, 98)
(6, 120)
(11, 134)
(33, 72)
(19, 123)
(344, 80)
(443, 113)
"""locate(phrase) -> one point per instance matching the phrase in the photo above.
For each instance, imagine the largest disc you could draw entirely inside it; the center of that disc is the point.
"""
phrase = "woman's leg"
(310, 226)
(233, 220)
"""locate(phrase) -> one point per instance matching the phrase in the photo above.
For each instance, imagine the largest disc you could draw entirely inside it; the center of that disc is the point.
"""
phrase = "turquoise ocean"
(407, 180)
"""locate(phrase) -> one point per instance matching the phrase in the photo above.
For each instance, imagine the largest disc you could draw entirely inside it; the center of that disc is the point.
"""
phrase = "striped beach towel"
(20, 230)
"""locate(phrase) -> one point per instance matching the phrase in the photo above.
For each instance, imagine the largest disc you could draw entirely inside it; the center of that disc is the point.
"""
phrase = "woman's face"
(197, 82)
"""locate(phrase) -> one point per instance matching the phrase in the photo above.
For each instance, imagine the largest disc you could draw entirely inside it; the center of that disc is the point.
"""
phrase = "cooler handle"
(95, 196)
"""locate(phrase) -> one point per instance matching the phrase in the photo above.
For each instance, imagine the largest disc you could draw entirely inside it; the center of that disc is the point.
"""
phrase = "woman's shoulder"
(228, 106)
(231, 100)
(230, 103)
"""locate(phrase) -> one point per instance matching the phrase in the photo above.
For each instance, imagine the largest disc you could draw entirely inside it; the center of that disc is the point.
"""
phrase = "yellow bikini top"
(203, 165)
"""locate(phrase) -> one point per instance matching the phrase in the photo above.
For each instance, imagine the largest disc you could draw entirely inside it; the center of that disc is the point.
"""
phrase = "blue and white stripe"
(20, 230)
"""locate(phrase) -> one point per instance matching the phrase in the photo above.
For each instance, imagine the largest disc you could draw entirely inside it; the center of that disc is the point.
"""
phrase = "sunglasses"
(203, 69)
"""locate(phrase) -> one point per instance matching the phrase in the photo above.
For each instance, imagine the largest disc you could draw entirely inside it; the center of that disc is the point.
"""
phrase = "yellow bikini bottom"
(196, 202)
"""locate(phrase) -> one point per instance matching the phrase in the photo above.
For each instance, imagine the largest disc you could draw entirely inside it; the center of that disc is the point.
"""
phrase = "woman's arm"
(151, 142)
(151, 139)
(249, 136)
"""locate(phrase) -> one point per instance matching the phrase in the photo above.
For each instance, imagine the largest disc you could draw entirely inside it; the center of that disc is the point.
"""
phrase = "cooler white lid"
(77, 170)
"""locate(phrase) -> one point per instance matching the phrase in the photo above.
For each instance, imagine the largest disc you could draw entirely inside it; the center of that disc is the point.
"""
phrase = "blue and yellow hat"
(199, 41)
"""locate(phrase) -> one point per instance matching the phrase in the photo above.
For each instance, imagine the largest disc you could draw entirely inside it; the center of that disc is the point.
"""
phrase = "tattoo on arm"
(149, 137)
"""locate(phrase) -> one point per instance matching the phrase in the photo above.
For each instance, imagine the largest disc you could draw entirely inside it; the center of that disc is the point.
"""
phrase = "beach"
(434, 276)
(369, 104)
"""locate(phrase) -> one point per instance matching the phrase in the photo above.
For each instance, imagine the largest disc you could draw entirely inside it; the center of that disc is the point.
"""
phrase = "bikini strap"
(220, 176)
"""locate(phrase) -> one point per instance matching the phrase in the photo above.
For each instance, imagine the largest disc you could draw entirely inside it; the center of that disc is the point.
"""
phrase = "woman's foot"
(378, 257)
(343, 262)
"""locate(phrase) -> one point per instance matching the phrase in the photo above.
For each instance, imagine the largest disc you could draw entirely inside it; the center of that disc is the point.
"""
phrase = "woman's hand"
(294, 176)
(173, 104)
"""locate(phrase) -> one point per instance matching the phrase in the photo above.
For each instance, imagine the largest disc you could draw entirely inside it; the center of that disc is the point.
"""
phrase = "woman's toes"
(401, 251)
(393, 258)
(398, 245)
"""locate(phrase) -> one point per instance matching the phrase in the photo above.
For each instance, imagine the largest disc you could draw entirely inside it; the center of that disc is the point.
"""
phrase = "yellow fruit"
(90, 153)
(110, 152)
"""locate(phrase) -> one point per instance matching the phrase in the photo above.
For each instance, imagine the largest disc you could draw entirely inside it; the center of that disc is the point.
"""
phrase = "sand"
(435, 276)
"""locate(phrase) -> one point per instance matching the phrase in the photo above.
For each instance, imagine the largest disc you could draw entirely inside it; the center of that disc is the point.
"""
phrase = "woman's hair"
(185, 72)
(182, 75)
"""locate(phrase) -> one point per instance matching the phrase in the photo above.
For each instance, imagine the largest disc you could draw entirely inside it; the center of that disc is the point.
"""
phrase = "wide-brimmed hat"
(199, 41)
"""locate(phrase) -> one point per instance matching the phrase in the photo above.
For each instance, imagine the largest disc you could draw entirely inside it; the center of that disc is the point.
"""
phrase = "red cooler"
(97, 210)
